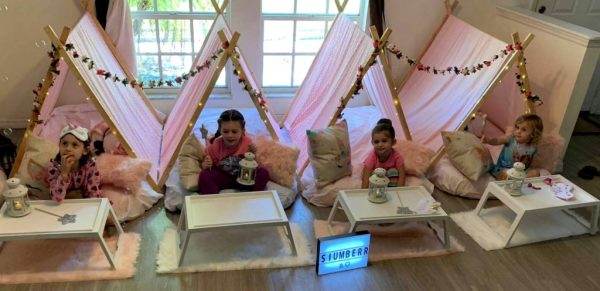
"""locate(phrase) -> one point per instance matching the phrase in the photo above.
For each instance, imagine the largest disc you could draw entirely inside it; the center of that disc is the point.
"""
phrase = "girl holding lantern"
(221, 164)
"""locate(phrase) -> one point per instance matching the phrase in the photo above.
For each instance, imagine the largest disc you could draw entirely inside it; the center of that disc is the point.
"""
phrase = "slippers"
(588, 172)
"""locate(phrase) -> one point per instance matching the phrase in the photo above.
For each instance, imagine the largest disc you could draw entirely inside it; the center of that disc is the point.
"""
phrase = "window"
(293, 31)
(168, 34)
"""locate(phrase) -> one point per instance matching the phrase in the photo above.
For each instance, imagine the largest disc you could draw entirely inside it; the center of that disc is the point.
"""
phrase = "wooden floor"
(565, 264)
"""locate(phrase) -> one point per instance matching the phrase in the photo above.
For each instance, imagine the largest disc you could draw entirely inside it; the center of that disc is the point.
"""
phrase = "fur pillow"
(190, 158)
(329, 150)
(416, 157)
(549, 154)
(122, 171)
(467, 153)
(278, 159)
(33, 168)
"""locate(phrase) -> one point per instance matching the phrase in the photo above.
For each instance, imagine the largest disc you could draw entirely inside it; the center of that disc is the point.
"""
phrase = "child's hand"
(252, 148)
(68, 163)
(206, 163)
(484, 139)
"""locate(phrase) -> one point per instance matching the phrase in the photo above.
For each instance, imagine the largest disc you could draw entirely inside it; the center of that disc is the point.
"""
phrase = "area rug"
(489, 229)
(65, 260)
(402, 240)
(234, 249)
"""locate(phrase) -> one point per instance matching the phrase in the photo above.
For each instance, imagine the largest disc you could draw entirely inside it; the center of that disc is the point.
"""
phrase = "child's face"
(382, 142)
(71, 146)
(232, 132)
(523, 132)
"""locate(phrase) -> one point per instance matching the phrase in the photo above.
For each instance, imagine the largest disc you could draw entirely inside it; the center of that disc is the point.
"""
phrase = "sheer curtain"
(120, 29)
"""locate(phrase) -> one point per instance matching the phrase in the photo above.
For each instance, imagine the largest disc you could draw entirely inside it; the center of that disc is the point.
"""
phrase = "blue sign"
(343, 252)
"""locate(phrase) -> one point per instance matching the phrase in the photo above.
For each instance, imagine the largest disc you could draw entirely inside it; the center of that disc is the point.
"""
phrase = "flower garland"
(466, 71)
(254, 94)
(91, 64)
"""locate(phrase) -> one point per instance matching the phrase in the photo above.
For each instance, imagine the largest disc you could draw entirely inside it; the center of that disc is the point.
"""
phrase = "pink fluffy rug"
(62, 260)
(408, 240)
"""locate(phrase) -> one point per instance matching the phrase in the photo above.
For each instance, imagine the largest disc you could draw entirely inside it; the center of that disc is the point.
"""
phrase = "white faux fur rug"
(64, 260)
(490, 229)
(402, 240)
(234, 249)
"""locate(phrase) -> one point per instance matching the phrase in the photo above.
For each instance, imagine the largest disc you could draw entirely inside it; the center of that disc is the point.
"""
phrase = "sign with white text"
(343, 252)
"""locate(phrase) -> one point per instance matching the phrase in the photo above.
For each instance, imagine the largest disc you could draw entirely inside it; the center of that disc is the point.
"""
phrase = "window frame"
(286, 91)
(166, 92)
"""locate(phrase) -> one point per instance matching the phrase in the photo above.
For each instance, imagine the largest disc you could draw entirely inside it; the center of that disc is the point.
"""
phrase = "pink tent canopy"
(124, 106)
(434, 103)
(127, 109)
(329, 78)
(431, 103)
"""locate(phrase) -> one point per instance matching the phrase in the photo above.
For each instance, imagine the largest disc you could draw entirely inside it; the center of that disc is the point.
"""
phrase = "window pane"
(141, 5)
(175, 36)
(278, 6)
(278, 36)
(312, 6)
(301, 66)
(352, 8)
(173, 5)
(221, 80)
(309, 36)
(144, 35)
(203, 6)
(174, 66)
(277, 71)
(201, 28)
(148, 68)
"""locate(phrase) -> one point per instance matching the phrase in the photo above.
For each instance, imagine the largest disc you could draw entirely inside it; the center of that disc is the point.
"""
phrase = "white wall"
(24, 63)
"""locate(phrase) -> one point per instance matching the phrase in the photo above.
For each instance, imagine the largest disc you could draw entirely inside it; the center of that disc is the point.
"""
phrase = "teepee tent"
(346, 56)
(126, 109)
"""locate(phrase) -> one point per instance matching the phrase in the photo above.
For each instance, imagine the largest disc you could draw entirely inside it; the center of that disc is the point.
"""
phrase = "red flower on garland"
(518, 46)
(225, 45)
(100, 72)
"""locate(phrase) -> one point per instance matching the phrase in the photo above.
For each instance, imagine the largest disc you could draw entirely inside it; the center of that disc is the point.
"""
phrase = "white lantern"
(17, 201)
(516, 177)
(247, 170)
(378, 183)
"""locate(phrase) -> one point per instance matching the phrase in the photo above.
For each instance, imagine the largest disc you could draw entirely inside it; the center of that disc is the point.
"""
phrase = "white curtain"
(120, 29)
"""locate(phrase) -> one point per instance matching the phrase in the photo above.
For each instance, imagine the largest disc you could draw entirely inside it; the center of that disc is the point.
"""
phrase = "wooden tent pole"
(392, 87)
(449, 9)
(33, 120)
(350, 93)
(522, 66)
(225, 55)
(244, 76)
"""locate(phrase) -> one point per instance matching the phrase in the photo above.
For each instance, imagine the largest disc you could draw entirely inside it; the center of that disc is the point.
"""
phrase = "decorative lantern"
(247, 170)
(516, 177)
(378, 183)
(17, 202)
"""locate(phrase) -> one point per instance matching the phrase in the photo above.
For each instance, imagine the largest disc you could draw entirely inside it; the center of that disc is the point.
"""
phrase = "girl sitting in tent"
(520, 145)
(73, 172)
(383, 138)
(220, 167)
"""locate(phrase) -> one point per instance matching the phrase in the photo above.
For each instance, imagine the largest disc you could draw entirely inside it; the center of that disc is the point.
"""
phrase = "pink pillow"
(416, 157)
(123, 171)
(549, 153)
(278, 159)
